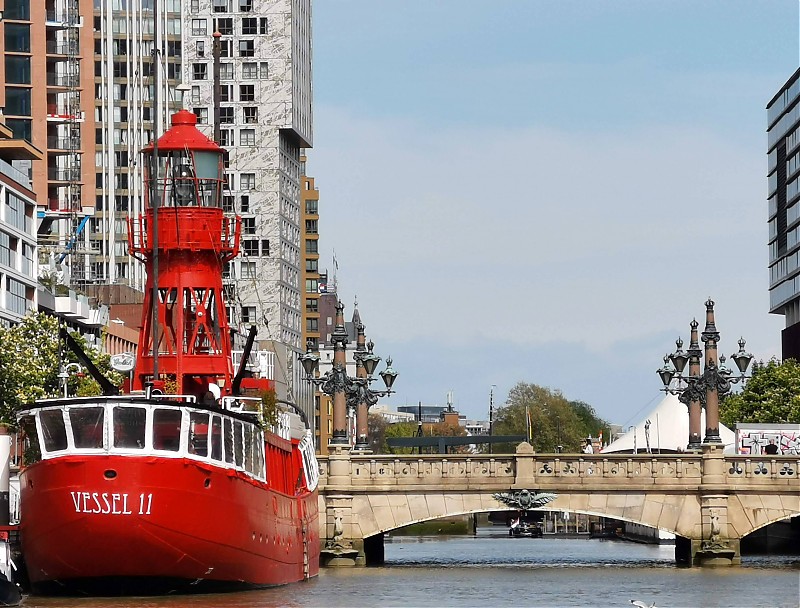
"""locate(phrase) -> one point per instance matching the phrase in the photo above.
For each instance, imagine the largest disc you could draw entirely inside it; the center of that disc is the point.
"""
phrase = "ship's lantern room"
(190, 167)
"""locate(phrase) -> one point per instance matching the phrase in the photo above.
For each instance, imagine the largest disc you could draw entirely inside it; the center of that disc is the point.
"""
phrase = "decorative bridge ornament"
(525, 499)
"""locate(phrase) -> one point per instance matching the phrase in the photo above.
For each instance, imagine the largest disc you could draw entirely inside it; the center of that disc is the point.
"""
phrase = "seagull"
(642, 604)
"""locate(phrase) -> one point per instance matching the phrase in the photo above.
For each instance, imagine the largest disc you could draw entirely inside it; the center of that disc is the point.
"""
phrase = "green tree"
(771, 395)
(400, 429)
(377, 425)
(553, 420)
(30, 363)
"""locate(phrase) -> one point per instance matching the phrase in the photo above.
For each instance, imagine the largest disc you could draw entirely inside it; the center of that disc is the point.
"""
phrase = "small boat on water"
(188, 479)
(525, 529)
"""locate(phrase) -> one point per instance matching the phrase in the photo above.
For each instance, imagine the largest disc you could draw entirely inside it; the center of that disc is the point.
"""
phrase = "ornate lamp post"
(346, 391)
(696, 390)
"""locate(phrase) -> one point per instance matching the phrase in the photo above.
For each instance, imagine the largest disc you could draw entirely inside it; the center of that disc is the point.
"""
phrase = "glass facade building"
(783, 194)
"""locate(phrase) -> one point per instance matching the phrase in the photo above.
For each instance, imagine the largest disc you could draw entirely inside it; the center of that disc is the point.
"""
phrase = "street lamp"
(346, 391)
(696, 390)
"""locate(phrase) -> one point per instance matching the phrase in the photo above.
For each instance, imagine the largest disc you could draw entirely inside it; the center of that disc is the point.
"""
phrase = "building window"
(312, 246)
(312, 265)
(312, 324)
(15, 296)
(195, 94)
(194, 6)
(249, 26)
(226, 48)
(226, 92)
(263, 25)
(221, 6)
(247, 92)
(249, 71)
(199, 71)
(202, 116)
(199, 27)
(224, 26)
(265, 247)
(250, 115)
(312, 305)
(249, 225)
(246, 6)
(247, 181)
(311, 226)
(264, 72)
(244, 205)
(226, 116)
(247, 48)
(226, 71)
(200, 46)
(247, 137)
(312, 207)
(227, 203)
(250, 247)
(248, 270)
(248, 314)
(226, 138)
(312, 286)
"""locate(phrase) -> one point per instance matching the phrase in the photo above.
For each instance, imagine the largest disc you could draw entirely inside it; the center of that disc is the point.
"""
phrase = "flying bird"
(642, 604)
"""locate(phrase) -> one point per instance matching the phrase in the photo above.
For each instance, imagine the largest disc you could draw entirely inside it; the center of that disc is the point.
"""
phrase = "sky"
(547, 192)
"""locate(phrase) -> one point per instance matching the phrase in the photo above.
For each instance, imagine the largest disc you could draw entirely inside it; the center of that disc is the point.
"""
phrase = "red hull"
(203, 523)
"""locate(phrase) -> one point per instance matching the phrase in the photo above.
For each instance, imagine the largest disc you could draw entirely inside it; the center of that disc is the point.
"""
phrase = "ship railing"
(243, 405)
(185, 398)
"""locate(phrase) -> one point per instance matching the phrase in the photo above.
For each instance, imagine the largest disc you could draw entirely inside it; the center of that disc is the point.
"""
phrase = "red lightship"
(184, 482)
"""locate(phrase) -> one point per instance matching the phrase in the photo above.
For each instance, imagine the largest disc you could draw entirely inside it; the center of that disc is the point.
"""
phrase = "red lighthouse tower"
(184, 240)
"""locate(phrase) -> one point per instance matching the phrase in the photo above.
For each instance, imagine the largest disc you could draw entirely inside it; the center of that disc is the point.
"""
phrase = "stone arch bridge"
(709, 500)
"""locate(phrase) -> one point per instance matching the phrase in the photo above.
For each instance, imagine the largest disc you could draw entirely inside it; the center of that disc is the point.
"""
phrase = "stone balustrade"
(418, 471)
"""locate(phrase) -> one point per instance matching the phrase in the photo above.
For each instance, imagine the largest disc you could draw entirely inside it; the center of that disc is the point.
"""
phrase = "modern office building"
(783, 193)
(18, 265)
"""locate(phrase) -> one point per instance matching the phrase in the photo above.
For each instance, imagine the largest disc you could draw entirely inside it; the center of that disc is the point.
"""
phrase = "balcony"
(62, 19)
(57, 113)
(56, 47)
(68, 144)
(63, 80)
(63, 175)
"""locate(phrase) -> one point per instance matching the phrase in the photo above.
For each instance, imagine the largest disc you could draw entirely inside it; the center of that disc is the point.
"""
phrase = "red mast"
(195, 240)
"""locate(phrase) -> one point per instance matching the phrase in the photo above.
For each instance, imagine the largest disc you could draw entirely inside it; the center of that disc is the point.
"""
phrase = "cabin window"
(228, 441)
(259, 455)
(88, 425)
(198, 434)
(216, 438)
(54, 432)
(33, 453)
(167, 429)
(238, 448)
(248, 448)
(129, 425)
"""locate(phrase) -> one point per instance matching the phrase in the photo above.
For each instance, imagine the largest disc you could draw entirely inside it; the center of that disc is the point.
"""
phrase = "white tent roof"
(669, 429)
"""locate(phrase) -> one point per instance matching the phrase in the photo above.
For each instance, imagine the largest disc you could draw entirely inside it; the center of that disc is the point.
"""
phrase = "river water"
(491, 570)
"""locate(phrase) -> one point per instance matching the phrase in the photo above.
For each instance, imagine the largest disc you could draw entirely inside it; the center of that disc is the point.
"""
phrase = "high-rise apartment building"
(265, 118)
(311, 279)
(783, 193)
(124, 79)
(18, 265)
